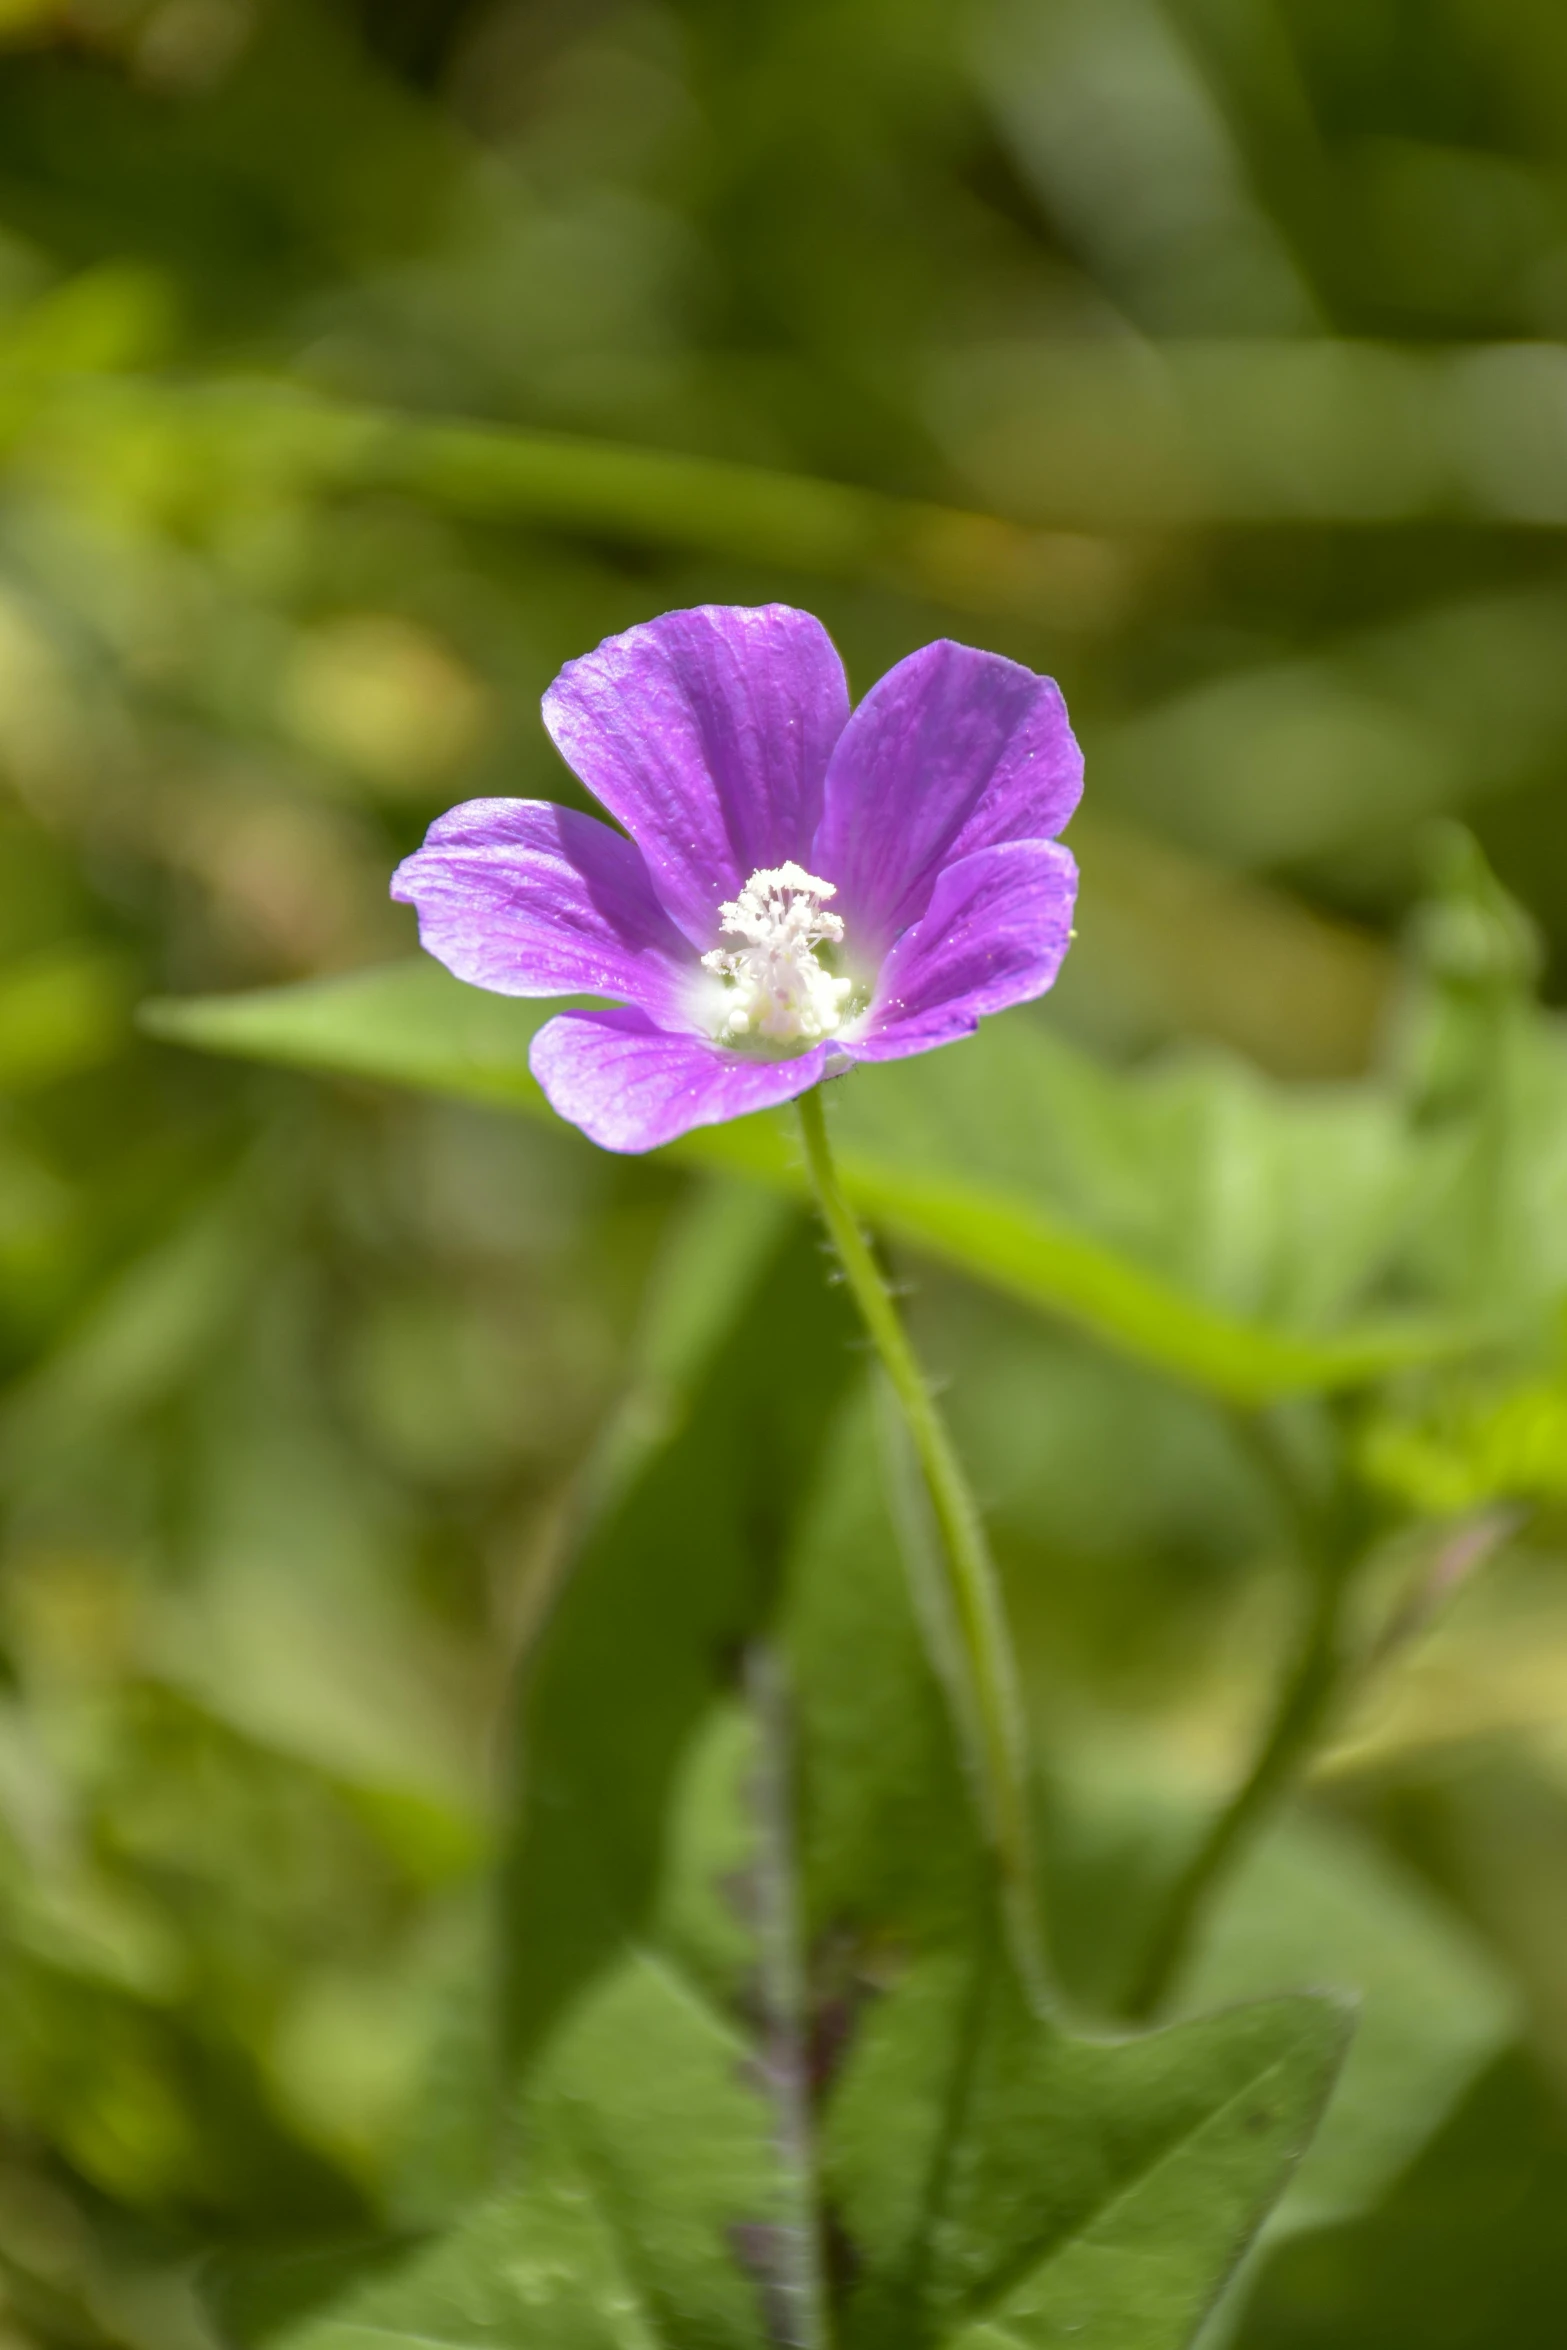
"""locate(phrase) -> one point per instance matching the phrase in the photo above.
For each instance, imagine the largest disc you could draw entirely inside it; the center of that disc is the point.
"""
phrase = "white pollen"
(778, 987)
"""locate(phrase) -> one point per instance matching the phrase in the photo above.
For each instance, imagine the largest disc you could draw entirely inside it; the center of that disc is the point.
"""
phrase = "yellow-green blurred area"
(360, 362)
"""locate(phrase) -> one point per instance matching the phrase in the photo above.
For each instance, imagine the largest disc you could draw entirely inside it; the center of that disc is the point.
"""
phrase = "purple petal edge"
(994, 934)
(952, 751)
(706, 733)
(631, 1086)
(531, 899)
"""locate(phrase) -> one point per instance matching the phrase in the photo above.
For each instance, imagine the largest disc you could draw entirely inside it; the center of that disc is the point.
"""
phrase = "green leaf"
(662, 2191)
(236, 437)
(1467, 2252)
(1475, 1442)
(404, 1023)
(1318, 1904)
(255, 2299)
(966, 2170)
(1006, 1156)
(1138, 2269)
(681, 1522)
(677, 1569)
(654, 2197)
(990, 2178)
(1314, 1903)
(646, 2147)
(994, 2177)
(1001, 2180)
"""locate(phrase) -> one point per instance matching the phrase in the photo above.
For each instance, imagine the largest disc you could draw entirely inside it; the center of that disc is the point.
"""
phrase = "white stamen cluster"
(778, 988)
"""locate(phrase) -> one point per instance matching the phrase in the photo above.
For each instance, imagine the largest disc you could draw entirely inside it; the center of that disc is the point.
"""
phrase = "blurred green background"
(1209, 354)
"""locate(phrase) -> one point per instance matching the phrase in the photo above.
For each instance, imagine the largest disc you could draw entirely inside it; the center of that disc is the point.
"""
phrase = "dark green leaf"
(1468, 2252)
(676, 1571)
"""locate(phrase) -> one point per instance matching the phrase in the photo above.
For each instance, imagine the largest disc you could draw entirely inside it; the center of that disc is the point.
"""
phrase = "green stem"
(1307, 1698)
(972, 1587)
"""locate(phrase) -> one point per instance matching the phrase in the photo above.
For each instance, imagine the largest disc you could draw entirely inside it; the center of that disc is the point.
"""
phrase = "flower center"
(778, 987)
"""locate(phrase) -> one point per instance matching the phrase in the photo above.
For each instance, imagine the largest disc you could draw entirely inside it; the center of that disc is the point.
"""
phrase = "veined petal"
(530, 899)
(994, 933)
(954, 750)
(706, 734)
(631, 1086)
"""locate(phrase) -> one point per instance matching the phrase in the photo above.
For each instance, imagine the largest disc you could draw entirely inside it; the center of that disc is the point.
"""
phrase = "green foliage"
(1314, 1903)
(981, 2173)
(359, 364)
(673, 1576)
(1397, 1192)
(1002, 1158)
(1465, 2245)
(1473, 1447)
(949, 2093)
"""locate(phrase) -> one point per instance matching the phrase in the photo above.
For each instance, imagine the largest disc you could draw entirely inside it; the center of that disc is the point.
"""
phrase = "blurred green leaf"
(1317, 1904)
(1304, 428)
(1467, 2252)
(139, 1337)
(965, 1153)
(243, 439)
(1314, 1904)
(647, 2150)
(62, 1011)
(99, 322)
(1053, 439)
(408, 1023)
(1486, 1076)
(1474, 1445)
(676, 1567)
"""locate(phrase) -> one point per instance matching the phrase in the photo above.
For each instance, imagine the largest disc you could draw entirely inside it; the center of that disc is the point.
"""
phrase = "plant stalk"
(994, 1708)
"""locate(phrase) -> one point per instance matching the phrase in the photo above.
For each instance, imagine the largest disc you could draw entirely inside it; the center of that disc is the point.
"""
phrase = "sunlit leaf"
(960, 1153)
(1474, 1444)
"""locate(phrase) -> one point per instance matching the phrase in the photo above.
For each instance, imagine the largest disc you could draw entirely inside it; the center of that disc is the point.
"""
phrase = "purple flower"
(803, 887)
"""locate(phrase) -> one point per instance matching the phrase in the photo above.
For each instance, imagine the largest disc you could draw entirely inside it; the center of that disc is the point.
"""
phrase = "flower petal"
(994, 934)
(530, 899)
(706, 734)
(631, 1086)
(952, 751)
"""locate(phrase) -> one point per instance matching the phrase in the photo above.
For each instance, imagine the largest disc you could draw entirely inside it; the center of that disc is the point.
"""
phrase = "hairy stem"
(992, 1713)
